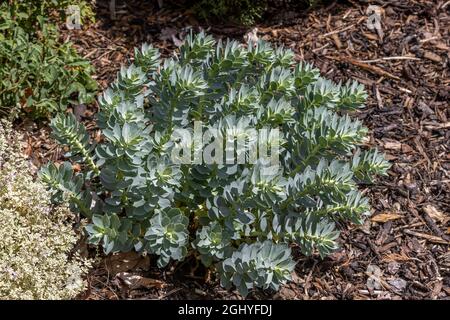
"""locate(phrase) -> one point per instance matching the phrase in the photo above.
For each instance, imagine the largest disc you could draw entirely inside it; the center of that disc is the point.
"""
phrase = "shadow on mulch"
(402, 251)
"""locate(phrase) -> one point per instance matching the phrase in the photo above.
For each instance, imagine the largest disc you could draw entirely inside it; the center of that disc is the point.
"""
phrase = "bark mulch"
(402, 251)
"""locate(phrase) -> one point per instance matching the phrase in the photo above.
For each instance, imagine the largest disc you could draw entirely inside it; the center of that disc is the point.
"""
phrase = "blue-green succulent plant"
(242, 216)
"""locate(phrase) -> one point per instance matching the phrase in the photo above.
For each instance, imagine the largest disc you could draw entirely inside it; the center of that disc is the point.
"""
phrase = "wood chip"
(337, 41)
(392, 145)
(432, 56)
(406, 148)
(384, 217)
(435, 214)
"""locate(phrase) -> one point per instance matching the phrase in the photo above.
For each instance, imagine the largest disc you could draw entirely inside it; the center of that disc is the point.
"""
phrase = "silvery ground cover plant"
(233, 153)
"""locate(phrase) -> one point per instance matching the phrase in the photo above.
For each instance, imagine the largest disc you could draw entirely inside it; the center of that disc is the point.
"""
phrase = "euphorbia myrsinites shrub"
(230, 152)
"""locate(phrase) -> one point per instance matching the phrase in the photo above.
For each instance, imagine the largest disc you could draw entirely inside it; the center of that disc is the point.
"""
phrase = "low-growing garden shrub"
(42, 77)
(246, 12)
(39, 75)
(241, 11)
(228, 152)
(36, 239)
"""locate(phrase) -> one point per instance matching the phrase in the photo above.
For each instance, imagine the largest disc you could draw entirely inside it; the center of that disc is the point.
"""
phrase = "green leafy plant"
(241, 11)
(148, 188)
(41, 76)
(245, 12)
(28, 13)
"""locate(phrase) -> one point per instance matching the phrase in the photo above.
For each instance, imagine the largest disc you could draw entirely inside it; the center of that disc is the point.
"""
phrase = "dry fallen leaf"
(28, 151)
(370, 36)
(384, 217)
(392, 144)
(406, 148)
(134, 281)
(390, 257)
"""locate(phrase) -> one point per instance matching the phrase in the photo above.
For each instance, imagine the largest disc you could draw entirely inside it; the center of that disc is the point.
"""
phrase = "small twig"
(422, 41)
(391, 58)
(322, 47)
(336, 31)
(405, 90)
(429, 237)
(413, 225)
(368, 67)
(376, 292)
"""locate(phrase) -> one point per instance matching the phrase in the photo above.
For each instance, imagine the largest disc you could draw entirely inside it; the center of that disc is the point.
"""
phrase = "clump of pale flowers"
(37, 239)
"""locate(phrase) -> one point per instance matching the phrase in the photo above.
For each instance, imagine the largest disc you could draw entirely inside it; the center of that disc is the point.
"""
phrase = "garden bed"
(401, 252)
